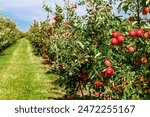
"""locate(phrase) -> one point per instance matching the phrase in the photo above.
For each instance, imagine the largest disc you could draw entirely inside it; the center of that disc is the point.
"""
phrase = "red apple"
(98, 83)
(115, 86)
(114, 41)
(107, 63)
(144, 59)
(131, 49)
(145, 10)
(109, 71)
(120, 39)
(131, 19)
(132, 33)
(115, 35)
(139, 33)
(103, 74)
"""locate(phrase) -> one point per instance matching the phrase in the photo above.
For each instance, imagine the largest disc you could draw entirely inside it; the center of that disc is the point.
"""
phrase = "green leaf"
(81, 45)
(98, 54)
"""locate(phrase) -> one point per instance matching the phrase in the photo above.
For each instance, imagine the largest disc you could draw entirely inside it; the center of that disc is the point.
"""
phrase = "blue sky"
(23, 12)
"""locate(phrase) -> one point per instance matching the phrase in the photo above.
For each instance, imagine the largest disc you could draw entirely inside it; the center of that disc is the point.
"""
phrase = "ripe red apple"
(131, 19)
(103, 74)
(132, 33)
(139, 33)
(115, 35)
(109, 71)
(144, 59)
(145, 10)
(98, 83)
(131, 49)
(114, 41)
(107, 63)
(115, 86)
(120, 39)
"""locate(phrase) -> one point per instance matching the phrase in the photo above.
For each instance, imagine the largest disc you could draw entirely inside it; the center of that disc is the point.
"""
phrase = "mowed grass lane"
(22, 76)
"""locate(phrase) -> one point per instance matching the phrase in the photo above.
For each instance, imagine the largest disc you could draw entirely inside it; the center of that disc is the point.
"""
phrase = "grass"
(22, 76)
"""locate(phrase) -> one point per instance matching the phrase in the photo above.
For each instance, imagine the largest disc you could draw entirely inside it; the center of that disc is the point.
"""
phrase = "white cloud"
(23, 10)
(26, 10)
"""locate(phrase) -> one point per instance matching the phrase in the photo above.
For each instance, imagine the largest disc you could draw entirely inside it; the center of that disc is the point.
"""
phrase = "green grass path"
(22, 76)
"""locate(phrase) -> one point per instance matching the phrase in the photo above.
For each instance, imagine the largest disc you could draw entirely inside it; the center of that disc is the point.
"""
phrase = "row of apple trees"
(8, 33)
(98, 55)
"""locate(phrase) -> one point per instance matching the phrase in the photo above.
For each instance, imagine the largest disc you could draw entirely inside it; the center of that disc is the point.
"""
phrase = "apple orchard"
(98, 55)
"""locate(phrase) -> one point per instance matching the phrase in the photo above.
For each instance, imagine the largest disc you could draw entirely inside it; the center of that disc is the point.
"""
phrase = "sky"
(23, 12)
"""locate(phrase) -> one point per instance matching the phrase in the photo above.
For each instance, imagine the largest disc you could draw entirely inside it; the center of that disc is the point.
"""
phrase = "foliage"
(8, 32)
(78, 46)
